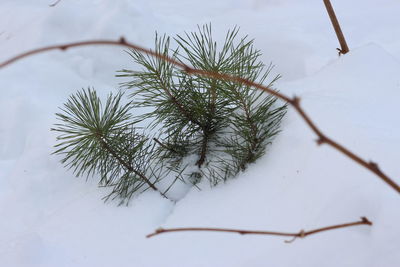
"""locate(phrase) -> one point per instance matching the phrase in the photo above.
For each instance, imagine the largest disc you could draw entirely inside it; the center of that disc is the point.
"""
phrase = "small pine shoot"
(97, 139)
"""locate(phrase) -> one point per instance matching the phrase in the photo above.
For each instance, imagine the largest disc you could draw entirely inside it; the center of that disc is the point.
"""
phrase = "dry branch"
(343, 45)
(295, 101)
(301, 234)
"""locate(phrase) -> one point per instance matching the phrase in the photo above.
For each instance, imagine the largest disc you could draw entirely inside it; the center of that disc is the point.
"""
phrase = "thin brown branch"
(300, 234)
(120, 42)
(295, 102)
(331, 12)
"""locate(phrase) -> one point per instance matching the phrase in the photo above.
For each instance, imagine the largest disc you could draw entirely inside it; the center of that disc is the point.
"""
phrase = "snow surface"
(49, 218)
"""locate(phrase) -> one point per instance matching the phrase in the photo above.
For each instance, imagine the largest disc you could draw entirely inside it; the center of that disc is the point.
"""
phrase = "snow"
(50, 218)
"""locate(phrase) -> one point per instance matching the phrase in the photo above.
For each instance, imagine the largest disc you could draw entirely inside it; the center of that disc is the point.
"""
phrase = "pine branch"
(178, 104)
(126, 165)
(97, 139)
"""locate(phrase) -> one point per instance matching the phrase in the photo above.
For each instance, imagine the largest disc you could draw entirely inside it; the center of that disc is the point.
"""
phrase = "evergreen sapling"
(201, 127)
(227, 125)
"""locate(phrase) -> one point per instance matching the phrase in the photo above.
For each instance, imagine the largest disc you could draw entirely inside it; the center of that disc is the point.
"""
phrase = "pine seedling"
(100, 139)
(203, 127)
(224, 125)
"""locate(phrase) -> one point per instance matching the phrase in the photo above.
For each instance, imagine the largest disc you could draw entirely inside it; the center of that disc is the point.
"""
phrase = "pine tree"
(201, 127)
(226, 124)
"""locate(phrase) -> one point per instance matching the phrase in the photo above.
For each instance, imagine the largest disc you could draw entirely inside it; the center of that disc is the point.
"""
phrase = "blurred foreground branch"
(293, 101)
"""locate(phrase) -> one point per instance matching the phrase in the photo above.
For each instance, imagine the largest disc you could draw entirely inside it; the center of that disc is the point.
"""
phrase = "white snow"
(49, 218)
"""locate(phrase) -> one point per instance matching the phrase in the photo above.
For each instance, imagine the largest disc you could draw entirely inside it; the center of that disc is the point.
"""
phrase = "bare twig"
(295, 101)
(344, 48)
(301, 234)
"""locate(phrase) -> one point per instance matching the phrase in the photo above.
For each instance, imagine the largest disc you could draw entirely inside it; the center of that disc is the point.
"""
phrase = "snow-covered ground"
(49, 218)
